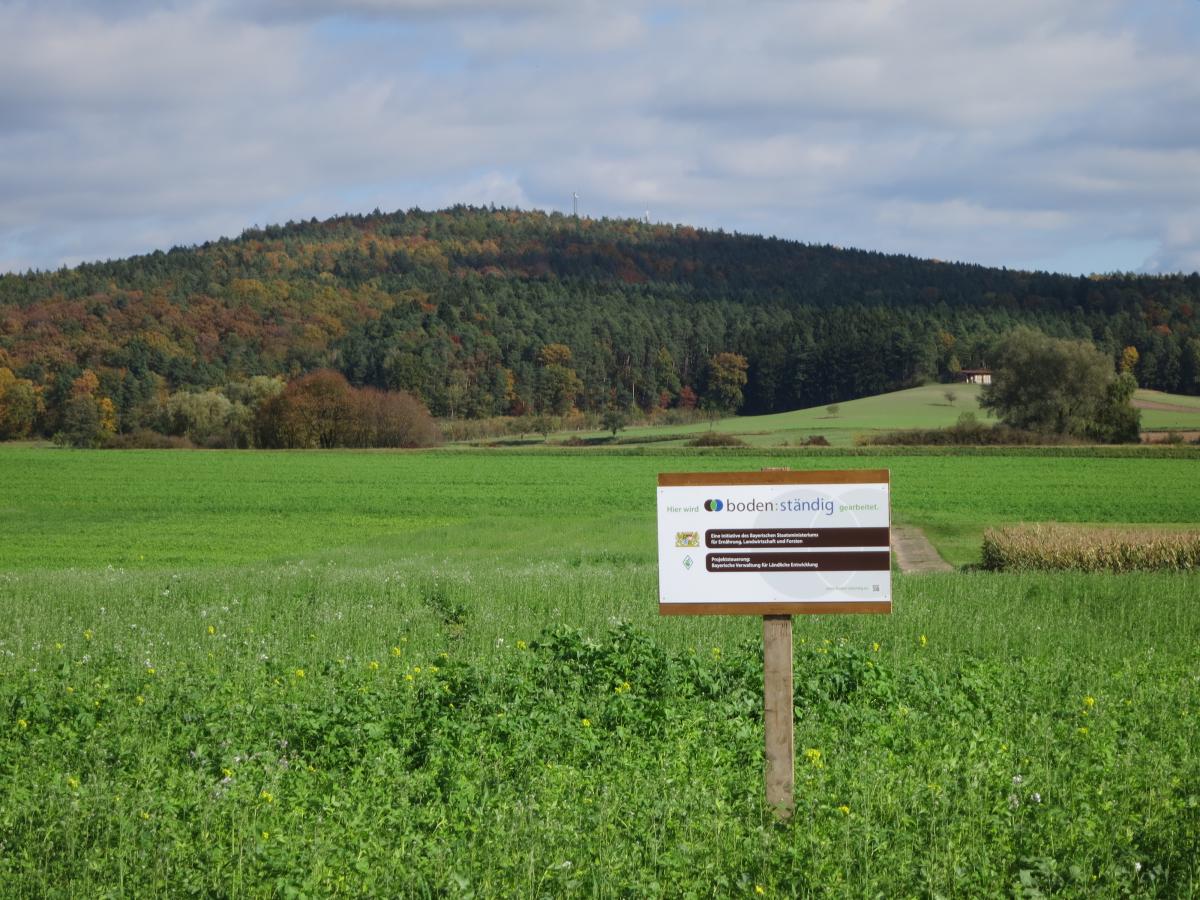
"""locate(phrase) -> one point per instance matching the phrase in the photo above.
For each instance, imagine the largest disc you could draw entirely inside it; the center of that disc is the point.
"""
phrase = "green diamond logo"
(687, 562)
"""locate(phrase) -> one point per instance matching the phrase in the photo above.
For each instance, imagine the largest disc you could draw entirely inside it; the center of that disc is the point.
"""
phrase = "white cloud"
(488, 188)
(989, 132)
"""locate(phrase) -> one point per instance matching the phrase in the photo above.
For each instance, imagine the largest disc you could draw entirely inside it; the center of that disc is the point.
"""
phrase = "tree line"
(317, 410)
(485, 312)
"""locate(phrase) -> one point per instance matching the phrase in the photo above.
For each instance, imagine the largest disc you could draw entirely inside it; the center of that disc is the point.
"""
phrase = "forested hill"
(482, 312)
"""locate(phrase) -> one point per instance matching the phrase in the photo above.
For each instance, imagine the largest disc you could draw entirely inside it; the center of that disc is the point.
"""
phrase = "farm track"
(914, 554)
(1163, 437)
(1164, 407)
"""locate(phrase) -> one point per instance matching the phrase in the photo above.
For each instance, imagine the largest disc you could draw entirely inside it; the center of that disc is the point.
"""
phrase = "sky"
(1061, 135)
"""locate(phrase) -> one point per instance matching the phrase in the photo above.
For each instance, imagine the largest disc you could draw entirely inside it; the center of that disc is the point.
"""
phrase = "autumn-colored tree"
(555, 355)
(322, 410)
(1129, 359)
(275, 426)
(319, 404)
(20, 405)
(85, 385)
(557, 384)
(88, 417)
(107, 414)
(390, 419)
(726, 378)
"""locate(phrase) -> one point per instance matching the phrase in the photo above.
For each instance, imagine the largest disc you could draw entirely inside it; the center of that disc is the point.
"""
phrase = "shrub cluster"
(813, 440)
(967, 431)
(1089, 549)
(321, 409)
(717, 439)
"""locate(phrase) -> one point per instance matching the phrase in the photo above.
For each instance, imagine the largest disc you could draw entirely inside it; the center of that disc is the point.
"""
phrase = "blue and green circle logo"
(714, 505)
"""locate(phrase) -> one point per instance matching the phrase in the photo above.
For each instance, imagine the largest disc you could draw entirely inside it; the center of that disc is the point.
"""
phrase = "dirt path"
(1165, 407)
(914, 554)
(1161, 437)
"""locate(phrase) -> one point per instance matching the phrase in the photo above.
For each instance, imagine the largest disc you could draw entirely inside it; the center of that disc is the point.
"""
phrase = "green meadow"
(924, 407)
(443, 673)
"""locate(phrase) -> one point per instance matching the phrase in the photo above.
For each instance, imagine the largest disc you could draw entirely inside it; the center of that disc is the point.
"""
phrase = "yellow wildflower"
(373, 665)
(587, 723)
(139, 700)
(22, 723)
(758, 889)
(266, 796)
(875, 646)
(521, 645)
(1089, 702)
(844, 810)
(299, 673)
(211, 630)
(87, 634)
(73, 783)
(396, 651)
(924, 640)
(813, 755)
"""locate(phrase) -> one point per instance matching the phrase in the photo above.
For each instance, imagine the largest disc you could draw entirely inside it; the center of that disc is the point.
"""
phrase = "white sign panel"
(774, 542)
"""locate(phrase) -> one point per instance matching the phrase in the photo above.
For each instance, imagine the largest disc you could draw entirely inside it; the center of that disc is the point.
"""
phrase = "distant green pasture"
(920, 407)
(150, 509)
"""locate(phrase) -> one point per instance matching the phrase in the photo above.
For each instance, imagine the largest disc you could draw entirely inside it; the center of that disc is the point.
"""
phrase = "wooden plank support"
(778, 714)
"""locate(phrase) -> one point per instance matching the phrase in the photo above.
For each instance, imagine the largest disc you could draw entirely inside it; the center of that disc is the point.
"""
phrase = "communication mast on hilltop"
(575, 204)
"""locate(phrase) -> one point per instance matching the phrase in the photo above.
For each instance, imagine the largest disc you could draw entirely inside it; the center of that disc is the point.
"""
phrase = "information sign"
(774, 542)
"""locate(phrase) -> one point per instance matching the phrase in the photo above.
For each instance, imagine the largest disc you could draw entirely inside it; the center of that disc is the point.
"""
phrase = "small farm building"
(975, 376)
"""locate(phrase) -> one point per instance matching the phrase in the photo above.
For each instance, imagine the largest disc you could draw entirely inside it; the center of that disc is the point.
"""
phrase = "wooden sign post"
(778, 715)
(775, 543)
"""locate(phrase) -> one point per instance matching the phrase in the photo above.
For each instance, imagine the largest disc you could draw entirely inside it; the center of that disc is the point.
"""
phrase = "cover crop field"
(313, 674)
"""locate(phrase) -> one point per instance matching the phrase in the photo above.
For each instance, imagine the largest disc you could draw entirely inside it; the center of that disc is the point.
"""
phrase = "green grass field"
(315, 674)
(920, 407)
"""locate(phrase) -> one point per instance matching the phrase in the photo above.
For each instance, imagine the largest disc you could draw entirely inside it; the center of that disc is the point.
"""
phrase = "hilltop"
(483, 312)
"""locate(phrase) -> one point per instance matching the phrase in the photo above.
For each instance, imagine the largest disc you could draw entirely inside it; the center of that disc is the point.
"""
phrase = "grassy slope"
(919, 407)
